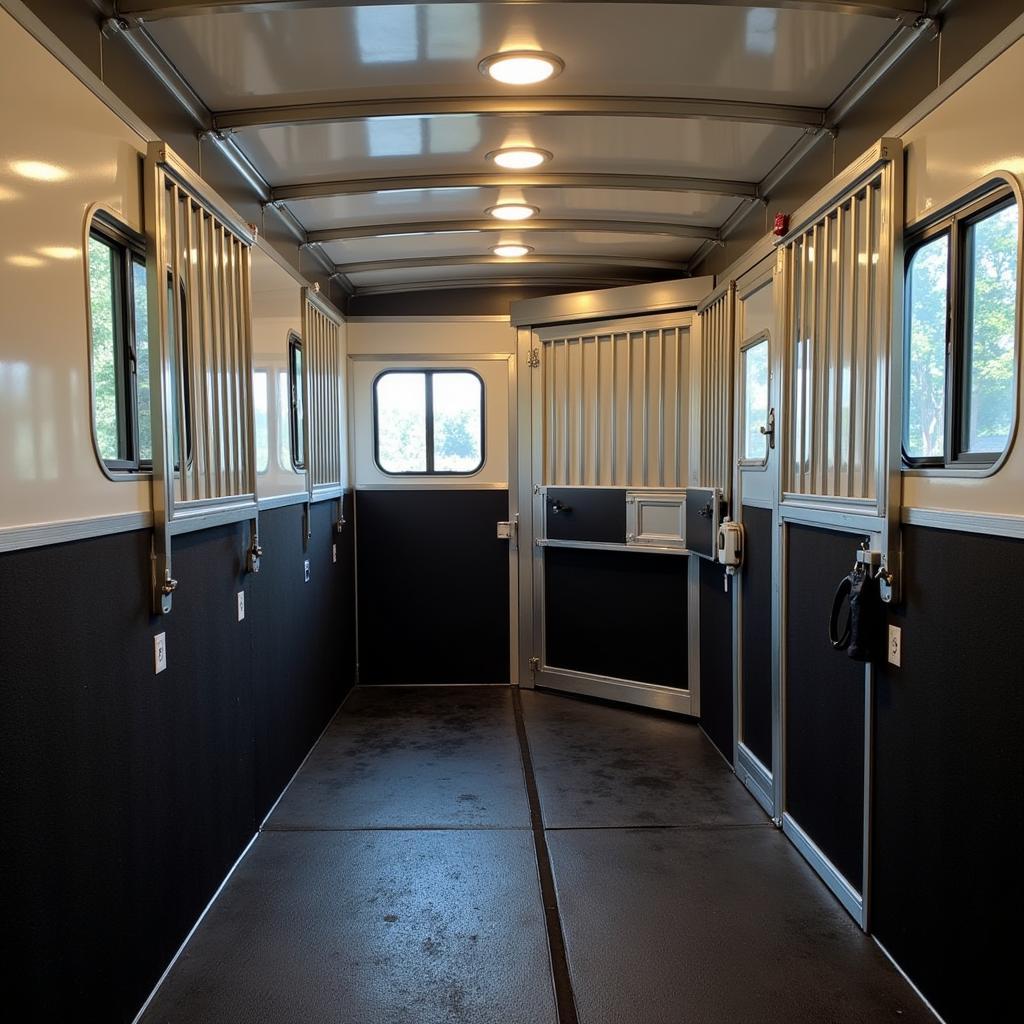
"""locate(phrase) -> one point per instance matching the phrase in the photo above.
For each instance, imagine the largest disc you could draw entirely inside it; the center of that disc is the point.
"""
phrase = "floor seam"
(397, 828)
(664, 828)
(564, 998)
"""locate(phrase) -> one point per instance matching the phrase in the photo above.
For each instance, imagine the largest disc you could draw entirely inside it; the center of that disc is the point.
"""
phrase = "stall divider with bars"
(322, 384)
(200, 330)
(714, 412)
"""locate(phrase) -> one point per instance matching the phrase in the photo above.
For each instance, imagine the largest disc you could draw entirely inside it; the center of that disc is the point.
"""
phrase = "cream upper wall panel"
(540, 273)
(402, 337)
(410, 205)
(277, 312)
(973, 133)
(297, 56)
(495, 376)
(456, 143)
(63, 151)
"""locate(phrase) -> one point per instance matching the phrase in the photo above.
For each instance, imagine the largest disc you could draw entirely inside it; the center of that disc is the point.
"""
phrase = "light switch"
(895, 645)
(306, 569)
(334, 552)
(241, 605)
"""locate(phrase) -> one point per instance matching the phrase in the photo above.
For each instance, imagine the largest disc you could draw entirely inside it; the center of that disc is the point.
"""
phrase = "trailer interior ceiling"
(512, 511)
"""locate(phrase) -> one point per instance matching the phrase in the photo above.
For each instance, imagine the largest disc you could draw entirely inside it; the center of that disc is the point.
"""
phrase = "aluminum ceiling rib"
(905, 12)
(781, 114)
(635, 227)
(534, 259)
(519, 179)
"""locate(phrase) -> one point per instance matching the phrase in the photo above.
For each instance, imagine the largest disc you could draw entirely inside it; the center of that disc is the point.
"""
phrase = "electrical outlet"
(241, 605)
(159, 653)
(306, 569)
(334, 552)
(895, 645)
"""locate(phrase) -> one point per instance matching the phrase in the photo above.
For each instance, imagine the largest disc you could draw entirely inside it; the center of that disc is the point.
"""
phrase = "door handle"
(769, 430)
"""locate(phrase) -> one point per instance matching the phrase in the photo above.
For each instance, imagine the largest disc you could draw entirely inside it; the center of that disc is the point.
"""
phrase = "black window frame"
(956, 224)
(428, 376)
(129, 248)
(296, 382)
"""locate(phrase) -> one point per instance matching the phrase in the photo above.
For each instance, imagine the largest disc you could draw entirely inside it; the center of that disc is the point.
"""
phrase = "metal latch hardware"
(533, 360)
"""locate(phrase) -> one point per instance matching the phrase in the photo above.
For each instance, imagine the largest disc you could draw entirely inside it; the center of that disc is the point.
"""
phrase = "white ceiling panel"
(298, 56)
(408, 206)
(458, 143)
(468, 243)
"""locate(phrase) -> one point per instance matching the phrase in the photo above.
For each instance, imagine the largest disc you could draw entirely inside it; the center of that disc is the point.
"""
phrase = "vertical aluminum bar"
(629, 482)
(547, 368)
(581, 419)
(806, 326)
(645, 439)
(191, 334)
(597, 412)
(615, 431)
(180, 333)
(661, 407)
(840, 346)
(202, 297)
(246, 272)
(566, 440)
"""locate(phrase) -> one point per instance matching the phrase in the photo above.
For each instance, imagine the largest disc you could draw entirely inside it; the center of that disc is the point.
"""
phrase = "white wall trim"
(38, 535)
(965, 522)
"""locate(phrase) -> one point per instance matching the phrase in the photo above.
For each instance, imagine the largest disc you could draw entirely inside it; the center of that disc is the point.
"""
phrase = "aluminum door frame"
(763, 781)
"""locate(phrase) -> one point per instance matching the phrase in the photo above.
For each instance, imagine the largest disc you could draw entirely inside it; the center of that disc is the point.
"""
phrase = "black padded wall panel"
(127, 795)
(824, 705)
(948, 837)
(617, 613)
(301, 631)
(433, 586)
(716, 690)
(588, 513)
(756, 634)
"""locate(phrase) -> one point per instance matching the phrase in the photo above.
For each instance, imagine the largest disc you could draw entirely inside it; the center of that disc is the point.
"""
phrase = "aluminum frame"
(215, 321)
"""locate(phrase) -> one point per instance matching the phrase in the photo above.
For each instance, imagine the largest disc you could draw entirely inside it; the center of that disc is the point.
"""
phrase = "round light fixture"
(521, 67)
(520, 158)
(513, 211)
(511, 252)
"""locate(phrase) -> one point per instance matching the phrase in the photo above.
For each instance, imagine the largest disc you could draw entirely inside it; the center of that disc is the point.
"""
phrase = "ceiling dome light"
(513, 211)
(511, 251)
(521, 67)
(520, 158)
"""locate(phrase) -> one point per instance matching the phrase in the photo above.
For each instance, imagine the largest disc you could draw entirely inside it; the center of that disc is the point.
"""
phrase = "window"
(961, 336)
(297, 401)
(755, 402)
(429, 421)
(119, 347)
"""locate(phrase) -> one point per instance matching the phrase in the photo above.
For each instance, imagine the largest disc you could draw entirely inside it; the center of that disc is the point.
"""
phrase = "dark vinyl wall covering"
(620, 614)
(433, 586)
(756, 634)
(948, 837)
(716, 692)
(127, 796)
(824, 705)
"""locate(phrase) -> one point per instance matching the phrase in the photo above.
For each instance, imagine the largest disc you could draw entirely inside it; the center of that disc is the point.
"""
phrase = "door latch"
(769, 430)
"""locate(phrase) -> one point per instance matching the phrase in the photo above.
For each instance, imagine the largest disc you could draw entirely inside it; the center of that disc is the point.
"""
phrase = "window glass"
(141, 320)
(284, 412)
(429, 421)
(298, 402)
(990, 330)
(755, 401)
(458, 402)
(401, 422)
(261, 422)
(106, 349)
(927, 297)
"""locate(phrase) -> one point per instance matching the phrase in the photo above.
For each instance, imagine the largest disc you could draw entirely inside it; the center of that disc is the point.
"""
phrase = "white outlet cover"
(895, 645)
(159, 653)
(306, 569)
(241, 605)
(334, 552)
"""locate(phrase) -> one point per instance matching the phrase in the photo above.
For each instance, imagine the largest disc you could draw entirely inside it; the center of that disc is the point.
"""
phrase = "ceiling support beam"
(436, 227)
(571, 282)
(516, 179)
(577, 260)
(807, 118)
(904, 11)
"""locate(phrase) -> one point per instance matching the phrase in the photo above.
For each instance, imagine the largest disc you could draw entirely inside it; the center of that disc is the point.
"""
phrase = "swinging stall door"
(609, 447)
